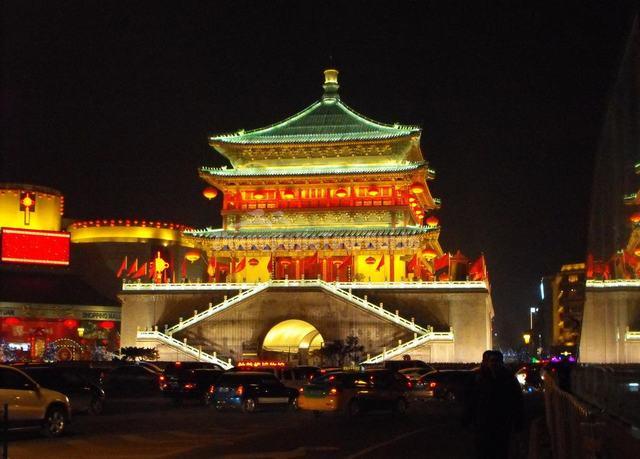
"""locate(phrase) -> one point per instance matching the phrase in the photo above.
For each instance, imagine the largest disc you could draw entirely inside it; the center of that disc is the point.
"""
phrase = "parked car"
(444, 384)
(84, 395)
(251, 390)
(184, 383)
(128, 380)
(355, 392)
(414, 373)
(31, 405)
(296, 377)
(397, 365)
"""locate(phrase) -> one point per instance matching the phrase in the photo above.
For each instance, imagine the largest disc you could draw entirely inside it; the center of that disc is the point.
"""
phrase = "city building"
(46, 311)
(328, 232)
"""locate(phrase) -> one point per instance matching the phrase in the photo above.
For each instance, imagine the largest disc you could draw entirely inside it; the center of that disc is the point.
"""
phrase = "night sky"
(112, 103)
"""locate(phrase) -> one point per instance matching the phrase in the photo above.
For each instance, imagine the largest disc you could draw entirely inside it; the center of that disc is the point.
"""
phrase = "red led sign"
(35, 247)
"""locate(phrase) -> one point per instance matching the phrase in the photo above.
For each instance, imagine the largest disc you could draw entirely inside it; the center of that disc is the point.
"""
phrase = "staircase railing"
(183, 347)
(212, 310)
(404, 347)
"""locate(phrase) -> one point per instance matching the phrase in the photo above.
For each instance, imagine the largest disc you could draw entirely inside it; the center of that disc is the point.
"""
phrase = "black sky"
(112, 102)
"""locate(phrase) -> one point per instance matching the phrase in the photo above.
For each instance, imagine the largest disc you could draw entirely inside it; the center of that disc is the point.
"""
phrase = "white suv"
(31, 405)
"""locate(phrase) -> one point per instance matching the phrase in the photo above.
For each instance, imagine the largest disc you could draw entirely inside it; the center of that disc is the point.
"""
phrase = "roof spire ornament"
(330, 85)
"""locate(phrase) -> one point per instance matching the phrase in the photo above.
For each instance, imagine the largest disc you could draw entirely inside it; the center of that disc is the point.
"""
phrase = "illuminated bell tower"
(325, 193)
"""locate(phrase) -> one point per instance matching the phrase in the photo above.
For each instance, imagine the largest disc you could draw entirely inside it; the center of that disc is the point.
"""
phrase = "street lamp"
(532, 310)
(527, 338)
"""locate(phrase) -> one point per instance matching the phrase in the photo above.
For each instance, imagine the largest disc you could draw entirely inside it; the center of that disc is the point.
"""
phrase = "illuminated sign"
(35, 247)
(261, 364)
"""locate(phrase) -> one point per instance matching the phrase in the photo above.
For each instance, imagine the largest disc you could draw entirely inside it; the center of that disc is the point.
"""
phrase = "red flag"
(590, 267)
(241, 265)
(441, 264)
(630, 259)
(152, 269)
(380, 263)
(141, 272)
(477, 269)
(346, 261)
(412, 263)
(123, 267)
(133, 269)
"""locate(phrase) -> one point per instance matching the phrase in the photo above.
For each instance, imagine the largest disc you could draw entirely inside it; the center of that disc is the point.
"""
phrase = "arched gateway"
(292, 340)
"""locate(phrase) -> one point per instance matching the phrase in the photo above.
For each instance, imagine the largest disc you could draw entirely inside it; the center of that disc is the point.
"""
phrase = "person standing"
(494, 407)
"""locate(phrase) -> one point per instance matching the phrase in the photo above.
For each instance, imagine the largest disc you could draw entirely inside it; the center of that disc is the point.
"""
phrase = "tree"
(139, 353)
(335, 352)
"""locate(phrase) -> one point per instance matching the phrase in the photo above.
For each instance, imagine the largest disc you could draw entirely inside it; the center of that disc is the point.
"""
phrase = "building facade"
(328, 232)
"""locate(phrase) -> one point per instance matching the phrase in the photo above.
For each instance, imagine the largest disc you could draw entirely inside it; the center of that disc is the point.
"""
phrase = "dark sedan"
(84, 395)
(251, 391)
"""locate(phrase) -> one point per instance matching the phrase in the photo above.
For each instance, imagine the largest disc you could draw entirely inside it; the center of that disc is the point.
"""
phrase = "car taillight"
(162, 378)
(301, 390)
(189, 386)
(409, 385)
(240, 390)
(212, 389)
(333, 392)
(432, 384)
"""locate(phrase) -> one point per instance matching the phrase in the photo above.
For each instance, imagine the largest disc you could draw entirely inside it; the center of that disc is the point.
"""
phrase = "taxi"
(353, 393)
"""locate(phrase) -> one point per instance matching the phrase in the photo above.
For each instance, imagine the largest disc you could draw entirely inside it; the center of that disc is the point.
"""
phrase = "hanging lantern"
(635, 218)
(373, 191)
(192, 255)
(70, 323)
(341, 192)
(107, 324)
(414, 205)
(210, 193)
(432, 221)
(258, 194)
(288, 194)
(412, 199)
(11, 321)
(285, 262)
(636, 252)
(417, 188)
(429, 254)
(254, 262)
(370, 260)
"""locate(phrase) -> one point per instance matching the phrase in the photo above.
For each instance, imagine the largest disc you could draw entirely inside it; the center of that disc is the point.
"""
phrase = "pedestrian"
(493, 407)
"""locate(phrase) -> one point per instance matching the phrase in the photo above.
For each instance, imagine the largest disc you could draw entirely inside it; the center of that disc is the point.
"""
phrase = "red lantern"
(341, 192)
(258, 194)
(107, 324)
(370, 260)
(373, 191)
(210, 193)
(432, 221)
(429, 254)
(70, 323)
(635, 218)
(417, 188)
(11, 321)
(253, 262)
(192, 255)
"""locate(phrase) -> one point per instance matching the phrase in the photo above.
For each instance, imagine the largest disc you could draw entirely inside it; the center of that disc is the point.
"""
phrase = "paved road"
(156, 429)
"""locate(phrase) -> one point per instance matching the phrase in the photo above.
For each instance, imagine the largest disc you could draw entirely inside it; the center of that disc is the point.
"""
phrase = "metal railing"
(376, 309)
(212, 310)
(194, 352)
(418, 285)
(404, 347)
(333, 288)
